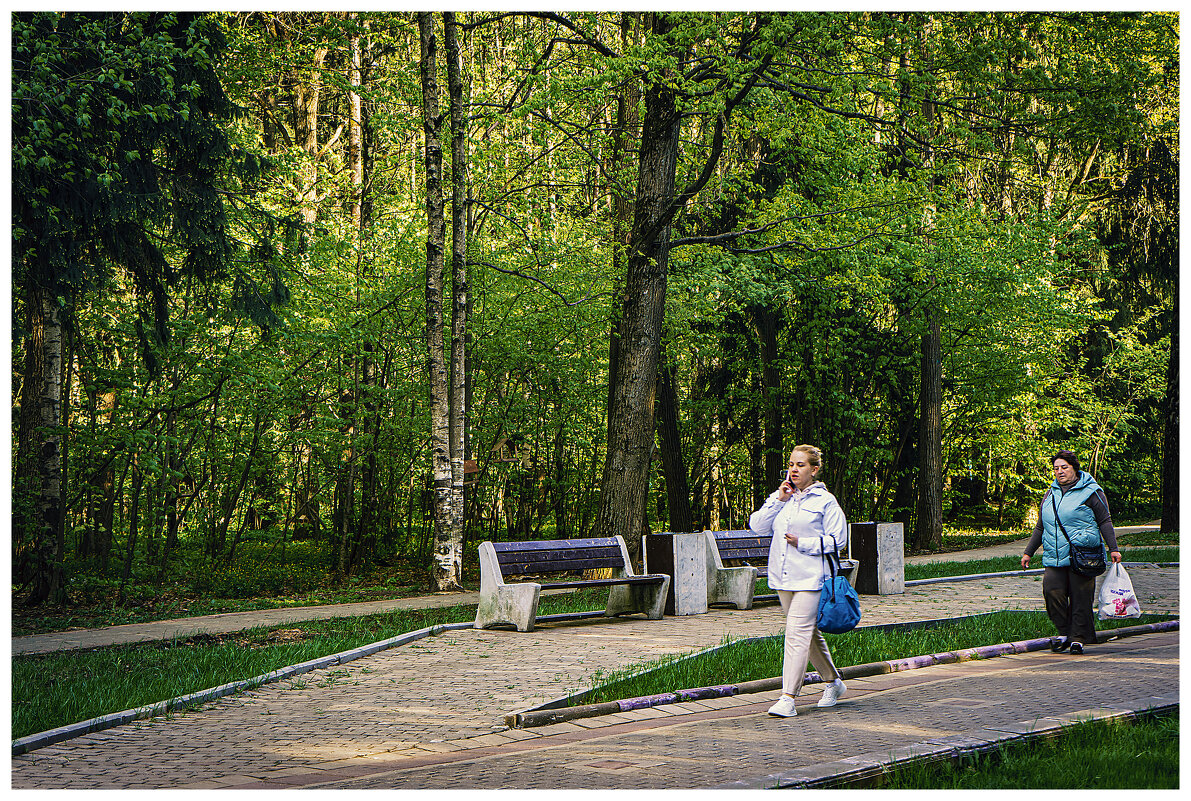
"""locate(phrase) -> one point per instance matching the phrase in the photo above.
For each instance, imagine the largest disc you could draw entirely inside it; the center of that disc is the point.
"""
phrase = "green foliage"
(258, 572)
(116, 141)
(287, 396)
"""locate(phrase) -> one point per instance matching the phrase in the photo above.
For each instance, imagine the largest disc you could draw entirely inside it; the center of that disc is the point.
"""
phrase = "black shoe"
(1059, 644)
(1077, 648)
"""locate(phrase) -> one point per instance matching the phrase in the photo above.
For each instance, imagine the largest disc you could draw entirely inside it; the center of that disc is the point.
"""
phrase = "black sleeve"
(1036, 537)
(1098, 503)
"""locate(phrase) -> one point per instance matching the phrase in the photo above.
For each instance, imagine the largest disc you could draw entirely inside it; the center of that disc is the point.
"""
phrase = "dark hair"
(1068, 457)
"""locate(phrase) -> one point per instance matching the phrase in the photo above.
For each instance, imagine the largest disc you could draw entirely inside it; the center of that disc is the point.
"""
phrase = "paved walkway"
(432, 713)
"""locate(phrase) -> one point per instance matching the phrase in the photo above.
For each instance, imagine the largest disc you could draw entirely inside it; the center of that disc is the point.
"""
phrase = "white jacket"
(815, 517)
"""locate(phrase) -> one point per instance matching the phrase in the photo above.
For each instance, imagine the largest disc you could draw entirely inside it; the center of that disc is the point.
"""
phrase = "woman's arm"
(835, 532)
(761, 521)
(1098, 503)
(1036, 537)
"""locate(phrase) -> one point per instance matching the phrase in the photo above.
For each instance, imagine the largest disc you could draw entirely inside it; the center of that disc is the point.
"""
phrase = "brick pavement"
(427, 708)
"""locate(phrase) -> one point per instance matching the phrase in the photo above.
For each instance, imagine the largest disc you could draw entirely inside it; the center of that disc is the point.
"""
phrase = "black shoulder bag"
(1086, 560)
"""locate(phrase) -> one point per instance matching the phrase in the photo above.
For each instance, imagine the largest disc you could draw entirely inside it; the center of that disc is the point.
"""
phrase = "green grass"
(54, 690)
(1148, 538)
(968, 539)
(1101, 755)
(747, 660)
(1003, 564)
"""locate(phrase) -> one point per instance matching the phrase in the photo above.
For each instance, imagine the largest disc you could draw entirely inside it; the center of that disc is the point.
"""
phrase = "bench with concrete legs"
(749, 554)
(516, 603)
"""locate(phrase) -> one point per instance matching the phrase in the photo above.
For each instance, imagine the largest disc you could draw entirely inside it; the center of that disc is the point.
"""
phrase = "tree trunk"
(678, 493)
(929, 533)
(355, 131)
(446, 559)
(305, 116)
(43, 514)
(134, 516)
(774, 457)
(625, 483)
(105, 515)
(459, 281)
(624, 131)
(1170, 432)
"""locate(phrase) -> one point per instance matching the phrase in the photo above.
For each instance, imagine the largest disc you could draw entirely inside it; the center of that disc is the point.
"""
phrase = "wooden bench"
(749, 553)
(517, 604)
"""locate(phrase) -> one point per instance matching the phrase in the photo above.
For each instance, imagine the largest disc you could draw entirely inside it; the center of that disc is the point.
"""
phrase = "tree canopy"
(657, 250)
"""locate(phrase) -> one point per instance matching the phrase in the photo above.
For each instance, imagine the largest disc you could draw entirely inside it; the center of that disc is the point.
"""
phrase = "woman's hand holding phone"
(787, 487)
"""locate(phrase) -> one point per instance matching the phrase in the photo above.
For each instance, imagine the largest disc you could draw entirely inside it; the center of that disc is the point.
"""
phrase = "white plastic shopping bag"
(1116, 595)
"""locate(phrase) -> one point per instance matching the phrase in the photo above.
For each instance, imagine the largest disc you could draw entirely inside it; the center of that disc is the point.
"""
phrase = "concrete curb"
(869, 769)
(544, 716)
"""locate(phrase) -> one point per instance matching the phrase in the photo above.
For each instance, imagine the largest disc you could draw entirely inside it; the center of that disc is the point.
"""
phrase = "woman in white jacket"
(805, 520)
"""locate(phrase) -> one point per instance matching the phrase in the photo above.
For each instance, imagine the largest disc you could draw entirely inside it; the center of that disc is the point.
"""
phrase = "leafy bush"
(250, 578)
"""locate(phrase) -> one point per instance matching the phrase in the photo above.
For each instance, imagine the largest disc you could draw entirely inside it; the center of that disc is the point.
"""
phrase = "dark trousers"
(1068, 598)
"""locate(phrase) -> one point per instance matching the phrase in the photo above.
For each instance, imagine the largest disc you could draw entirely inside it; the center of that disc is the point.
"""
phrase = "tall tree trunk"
(460, 302)
(678, 492)
(39, 473)
(174, 464)
(134, 519)
(307, 97)
(446, 558)
(929, 533)
(105, 515)
(623, 132)
(355, 129)
(1170, 432)
(625, 483)
(766, 322)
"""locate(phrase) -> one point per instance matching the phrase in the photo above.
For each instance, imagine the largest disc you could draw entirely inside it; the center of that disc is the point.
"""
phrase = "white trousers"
(803, 640)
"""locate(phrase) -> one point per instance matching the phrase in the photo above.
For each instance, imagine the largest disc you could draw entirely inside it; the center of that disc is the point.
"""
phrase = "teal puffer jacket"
(1077, 517)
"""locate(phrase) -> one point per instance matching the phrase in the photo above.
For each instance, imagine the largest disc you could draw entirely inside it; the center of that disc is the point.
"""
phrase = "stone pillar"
(880, 549)
(683, 557)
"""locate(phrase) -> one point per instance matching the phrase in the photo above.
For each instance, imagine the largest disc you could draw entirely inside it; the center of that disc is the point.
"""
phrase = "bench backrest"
(745, 545)
(558, 556)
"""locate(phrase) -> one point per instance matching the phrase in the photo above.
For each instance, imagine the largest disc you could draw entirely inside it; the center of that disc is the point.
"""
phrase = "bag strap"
(1059, 521)
(824, 555)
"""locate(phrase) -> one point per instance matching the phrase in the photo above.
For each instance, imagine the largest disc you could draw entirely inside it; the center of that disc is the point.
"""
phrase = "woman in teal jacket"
(1082, 508)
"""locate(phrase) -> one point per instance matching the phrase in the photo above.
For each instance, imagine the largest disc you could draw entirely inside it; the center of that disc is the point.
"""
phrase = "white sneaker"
(832, 694)
(784, 708)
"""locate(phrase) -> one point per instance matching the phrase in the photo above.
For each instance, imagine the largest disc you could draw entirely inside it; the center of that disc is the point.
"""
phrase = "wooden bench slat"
(558, 553)
(518, 568)
(553, 585)
(557, 545)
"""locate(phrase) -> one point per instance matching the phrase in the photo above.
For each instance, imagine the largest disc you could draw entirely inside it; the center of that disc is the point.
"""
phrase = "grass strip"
(1142, 754)
(53, 690)
(738, 661)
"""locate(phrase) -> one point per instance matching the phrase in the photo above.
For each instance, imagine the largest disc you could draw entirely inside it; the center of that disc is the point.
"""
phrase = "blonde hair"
(813, 455)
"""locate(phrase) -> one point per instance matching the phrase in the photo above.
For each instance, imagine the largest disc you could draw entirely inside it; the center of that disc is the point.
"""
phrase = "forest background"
(301, 298)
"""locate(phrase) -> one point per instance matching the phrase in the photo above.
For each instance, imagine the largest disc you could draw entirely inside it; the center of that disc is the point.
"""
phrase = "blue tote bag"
(839, 605)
